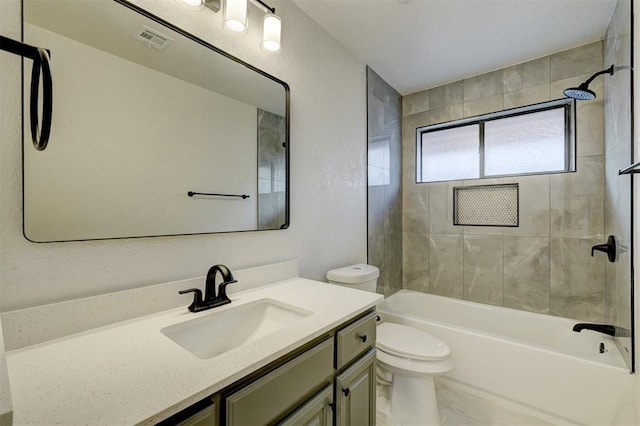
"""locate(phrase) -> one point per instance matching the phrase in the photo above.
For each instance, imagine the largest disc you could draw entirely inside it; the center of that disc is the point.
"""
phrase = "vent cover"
(486, 205)
(152, 38)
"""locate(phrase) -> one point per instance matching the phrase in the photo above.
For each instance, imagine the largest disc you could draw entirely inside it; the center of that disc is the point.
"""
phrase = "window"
(529, 140)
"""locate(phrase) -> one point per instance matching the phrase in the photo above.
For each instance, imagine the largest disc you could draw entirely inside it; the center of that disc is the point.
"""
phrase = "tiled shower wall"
(544, 265)
(617, 206)
(384, 183)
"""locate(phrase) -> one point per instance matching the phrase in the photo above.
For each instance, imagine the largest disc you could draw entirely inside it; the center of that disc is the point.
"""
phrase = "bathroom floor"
(460, 408)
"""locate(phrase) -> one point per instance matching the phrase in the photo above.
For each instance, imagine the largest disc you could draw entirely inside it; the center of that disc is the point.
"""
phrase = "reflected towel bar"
(634, 168)
(191, 194)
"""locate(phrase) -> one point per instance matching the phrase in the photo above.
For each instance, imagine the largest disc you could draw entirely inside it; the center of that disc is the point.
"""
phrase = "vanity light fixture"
(235, 18)
(234, 15)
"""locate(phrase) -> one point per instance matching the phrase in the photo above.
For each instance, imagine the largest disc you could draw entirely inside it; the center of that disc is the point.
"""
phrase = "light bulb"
(271, 33)
(192, 4)
(235, 15)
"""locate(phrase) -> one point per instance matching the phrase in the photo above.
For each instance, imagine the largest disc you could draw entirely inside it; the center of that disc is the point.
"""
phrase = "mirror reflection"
(144, 114)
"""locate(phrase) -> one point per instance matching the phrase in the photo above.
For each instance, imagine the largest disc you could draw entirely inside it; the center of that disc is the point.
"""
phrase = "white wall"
(328, 180)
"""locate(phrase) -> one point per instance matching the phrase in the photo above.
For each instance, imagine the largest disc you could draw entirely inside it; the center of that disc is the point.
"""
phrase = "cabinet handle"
(346, 391)
(362, 337)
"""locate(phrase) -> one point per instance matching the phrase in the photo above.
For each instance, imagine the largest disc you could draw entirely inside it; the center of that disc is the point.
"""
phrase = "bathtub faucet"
(602, 328)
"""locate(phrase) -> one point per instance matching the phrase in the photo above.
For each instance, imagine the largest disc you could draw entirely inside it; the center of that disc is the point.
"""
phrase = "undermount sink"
(218, 332)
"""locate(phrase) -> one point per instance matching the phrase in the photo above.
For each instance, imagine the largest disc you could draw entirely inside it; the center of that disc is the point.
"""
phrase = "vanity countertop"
(130, 373)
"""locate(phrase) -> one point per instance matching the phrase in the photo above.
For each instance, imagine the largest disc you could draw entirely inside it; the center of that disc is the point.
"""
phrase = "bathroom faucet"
(210, 299)
(602, 328)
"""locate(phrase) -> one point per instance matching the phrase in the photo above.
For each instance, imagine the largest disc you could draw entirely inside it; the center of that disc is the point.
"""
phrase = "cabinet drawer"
(355, 339)
(264, 400)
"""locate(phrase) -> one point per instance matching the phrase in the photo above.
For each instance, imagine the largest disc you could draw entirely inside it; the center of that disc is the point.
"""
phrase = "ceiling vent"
(152, 38)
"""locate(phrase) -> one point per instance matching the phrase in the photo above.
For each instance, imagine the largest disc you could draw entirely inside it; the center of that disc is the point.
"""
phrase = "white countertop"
(130, 373)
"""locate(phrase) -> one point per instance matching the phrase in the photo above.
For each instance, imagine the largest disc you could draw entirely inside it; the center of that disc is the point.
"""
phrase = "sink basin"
(219, 332)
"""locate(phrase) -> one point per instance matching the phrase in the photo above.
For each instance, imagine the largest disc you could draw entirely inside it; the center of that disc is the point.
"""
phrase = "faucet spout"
(602, 328)
(211, 300)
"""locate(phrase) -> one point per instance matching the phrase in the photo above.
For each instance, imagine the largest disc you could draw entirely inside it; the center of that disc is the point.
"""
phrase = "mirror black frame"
(217, 50)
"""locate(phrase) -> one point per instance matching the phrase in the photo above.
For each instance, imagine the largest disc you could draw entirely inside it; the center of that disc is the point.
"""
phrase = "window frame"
(567, 104)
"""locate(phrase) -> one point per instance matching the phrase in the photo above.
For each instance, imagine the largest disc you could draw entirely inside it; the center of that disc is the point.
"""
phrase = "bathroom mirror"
(148, 120)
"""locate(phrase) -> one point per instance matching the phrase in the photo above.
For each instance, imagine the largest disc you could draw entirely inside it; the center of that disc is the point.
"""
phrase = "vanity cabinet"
(330, 381)
(318, 411)
(356, 392)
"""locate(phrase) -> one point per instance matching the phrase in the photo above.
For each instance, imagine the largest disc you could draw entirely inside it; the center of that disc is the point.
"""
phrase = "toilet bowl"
(408, 358)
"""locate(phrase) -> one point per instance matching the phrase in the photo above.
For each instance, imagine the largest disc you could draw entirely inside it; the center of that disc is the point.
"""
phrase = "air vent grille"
(152, 37)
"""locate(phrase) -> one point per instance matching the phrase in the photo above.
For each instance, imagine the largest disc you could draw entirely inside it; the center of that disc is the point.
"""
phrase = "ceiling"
(418, 44)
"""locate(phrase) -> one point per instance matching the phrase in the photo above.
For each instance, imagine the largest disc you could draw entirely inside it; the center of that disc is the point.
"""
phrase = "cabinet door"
(356, 393)
(205, 417)
(315, 412)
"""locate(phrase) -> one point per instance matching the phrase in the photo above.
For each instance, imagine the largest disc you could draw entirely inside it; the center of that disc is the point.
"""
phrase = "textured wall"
(384, 182)
(618, 142)
(328, 174)
(544, 265)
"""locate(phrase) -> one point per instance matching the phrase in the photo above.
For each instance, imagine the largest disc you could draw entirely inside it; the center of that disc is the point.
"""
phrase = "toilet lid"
(409, 342)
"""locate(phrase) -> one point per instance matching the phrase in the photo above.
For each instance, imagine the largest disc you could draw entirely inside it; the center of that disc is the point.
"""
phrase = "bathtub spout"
(602, 328)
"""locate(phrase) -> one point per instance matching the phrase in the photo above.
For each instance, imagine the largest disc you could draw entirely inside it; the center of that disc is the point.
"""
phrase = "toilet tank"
(360, 276)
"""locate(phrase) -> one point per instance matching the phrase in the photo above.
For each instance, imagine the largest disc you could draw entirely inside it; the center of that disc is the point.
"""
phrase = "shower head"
(582, 92)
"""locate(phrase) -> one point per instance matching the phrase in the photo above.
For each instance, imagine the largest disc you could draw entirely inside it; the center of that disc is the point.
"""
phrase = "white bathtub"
(529, 359)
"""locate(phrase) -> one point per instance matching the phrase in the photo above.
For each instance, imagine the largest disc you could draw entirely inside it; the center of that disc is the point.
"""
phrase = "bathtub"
(531, 360)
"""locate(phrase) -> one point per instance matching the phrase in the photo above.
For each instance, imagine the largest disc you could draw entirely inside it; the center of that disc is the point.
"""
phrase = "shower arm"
(609, 70)
(41, 65)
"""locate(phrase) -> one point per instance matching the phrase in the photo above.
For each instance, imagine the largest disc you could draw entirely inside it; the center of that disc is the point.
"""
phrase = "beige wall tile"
(415, 103)
(534, 207)
(447, 113)
(483, 85)
(577, 279)
(445, 265)
(448, 94)
(483, 105)
(590, 128)
(577, 200)
(529, 96)
(483, 268)
(415, 261)
(572, 62)
(527, 74)
(526, 273)
(441, 208)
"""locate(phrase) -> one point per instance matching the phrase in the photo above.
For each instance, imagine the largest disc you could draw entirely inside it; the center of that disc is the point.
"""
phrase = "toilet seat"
(408, 342)
(410, 351)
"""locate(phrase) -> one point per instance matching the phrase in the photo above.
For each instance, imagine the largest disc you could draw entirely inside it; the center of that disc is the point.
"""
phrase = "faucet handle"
(197, 304)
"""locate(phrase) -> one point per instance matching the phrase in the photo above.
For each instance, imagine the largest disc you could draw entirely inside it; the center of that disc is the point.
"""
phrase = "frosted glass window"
(521, 141)
(451, 154)
(530, 143)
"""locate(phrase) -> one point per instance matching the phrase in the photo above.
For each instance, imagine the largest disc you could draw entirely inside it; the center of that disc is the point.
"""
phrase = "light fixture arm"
(264, 6)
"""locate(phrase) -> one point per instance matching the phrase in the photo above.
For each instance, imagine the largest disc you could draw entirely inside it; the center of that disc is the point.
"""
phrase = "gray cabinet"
(283, 389)
(318, 411)
(331, 382)
(356, 393)
(205, 417)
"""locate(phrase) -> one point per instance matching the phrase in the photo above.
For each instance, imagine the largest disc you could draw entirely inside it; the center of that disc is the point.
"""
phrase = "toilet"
(408, 358)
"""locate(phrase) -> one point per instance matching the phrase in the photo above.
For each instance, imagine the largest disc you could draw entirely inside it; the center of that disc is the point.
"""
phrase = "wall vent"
(152, 37)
